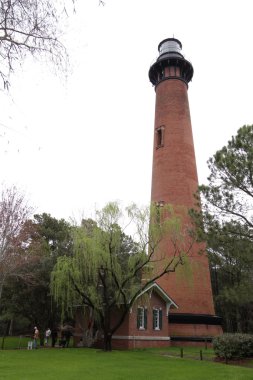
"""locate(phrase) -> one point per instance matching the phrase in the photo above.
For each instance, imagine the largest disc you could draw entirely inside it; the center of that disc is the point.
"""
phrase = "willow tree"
(108, 267)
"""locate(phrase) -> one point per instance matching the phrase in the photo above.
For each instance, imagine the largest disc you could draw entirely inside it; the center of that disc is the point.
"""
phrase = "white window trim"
(142, 318)
(157, 318)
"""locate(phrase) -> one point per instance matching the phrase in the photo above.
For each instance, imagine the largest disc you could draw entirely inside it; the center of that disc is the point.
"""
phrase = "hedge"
(233, 346)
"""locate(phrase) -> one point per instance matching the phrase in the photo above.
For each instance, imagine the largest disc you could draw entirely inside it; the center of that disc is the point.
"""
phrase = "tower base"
(193, 329)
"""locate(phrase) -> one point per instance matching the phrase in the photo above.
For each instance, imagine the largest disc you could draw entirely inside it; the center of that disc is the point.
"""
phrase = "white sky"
(76, 144)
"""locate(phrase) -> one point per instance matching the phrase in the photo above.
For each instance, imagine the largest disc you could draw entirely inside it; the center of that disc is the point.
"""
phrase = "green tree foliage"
(109, 269)
(231, 259)
(53, 235)
(227, 226)
(49, 239)
(229, 193)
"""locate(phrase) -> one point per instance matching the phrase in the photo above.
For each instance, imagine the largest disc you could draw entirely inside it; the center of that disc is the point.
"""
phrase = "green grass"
(14, 342)
(187, 352)
(79, 364)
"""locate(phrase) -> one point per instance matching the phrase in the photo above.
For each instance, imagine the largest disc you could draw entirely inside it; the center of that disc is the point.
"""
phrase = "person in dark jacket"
(68, 335)
(54, 335)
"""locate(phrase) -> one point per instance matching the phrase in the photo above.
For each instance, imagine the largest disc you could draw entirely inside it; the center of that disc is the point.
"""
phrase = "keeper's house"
(146, 325)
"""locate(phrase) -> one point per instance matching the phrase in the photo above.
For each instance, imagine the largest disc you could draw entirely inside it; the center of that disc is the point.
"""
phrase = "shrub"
(233, 346)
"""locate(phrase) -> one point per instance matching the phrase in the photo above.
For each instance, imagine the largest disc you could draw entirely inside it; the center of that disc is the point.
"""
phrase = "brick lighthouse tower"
(174, 181)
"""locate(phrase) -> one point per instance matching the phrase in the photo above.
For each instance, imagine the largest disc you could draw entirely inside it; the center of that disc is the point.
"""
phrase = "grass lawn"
(14, 342)
(77, 364)
(187, 352)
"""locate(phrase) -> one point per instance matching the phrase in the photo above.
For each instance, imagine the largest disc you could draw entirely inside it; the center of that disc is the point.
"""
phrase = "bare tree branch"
(30, 27)
(14, 239)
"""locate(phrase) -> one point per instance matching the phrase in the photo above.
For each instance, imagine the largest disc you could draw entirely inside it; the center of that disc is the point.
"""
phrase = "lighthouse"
(175, 181)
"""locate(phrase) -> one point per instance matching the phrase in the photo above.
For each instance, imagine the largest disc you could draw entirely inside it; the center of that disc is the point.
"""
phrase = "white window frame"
(141, 317)
(156, 319)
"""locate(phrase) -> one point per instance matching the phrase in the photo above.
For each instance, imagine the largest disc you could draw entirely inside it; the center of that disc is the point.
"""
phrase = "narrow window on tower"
(160, 137)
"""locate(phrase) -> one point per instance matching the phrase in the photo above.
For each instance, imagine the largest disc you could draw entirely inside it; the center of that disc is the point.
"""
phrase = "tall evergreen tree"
(49, 239)
(227, 226)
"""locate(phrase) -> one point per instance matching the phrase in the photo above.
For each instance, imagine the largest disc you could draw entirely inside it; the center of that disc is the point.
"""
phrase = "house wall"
(124, 328)
(130, 336)
(191, 330)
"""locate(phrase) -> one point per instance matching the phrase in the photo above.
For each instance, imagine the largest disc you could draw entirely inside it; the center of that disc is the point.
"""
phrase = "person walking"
(36, 336)
(47, 336)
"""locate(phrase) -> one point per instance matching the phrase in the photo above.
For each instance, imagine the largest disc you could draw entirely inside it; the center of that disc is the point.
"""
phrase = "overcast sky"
(74, 144)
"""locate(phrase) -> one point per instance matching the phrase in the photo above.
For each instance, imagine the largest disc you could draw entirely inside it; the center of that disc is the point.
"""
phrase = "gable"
(155, 288)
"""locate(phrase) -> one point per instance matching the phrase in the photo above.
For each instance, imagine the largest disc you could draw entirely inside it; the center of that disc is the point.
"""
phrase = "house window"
(141, 318)
(159, 137)
(157, 319)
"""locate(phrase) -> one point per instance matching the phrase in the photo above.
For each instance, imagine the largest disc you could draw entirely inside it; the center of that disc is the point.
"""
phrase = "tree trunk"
(238, 321)
(107, 329)
(107, 341)
(10, 327)
(1, 289)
